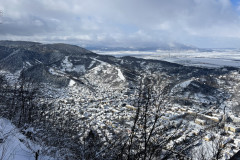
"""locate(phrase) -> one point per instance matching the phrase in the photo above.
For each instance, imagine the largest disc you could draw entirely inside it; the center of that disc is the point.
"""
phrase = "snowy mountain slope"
(15, 146)
(106, 74)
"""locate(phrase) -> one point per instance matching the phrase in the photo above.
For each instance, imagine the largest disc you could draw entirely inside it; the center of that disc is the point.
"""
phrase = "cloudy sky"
(123, 23)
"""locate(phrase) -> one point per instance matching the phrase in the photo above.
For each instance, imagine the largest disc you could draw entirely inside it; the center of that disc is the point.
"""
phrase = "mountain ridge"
(59, 64)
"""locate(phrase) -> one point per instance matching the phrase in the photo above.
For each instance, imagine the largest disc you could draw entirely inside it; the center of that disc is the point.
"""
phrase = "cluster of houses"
(111, 111)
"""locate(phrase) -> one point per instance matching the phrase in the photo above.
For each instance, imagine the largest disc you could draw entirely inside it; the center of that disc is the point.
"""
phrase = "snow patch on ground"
(66, 65)
(28, 63)
(181, 85)
(185, 83)
(72, 83)
(92, 63)
(53, 72)
(69, 67)
(120, 75)
(79, 69)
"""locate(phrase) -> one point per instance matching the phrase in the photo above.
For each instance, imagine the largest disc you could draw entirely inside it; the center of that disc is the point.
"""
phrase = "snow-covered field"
(214, 58)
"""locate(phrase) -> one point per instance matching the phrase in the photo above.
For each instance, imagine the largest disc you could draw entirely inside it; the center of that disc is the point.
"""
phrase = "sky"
(123, 23)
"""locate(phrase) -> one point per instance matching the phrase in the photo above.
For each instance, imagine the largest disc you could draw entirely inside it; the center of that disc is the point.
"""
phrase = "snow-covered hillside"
(15, 146)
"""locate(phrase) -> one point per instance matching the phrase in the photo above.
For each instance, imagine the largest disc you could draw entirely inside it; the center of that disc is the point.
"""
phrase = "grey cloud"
(122, 23)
